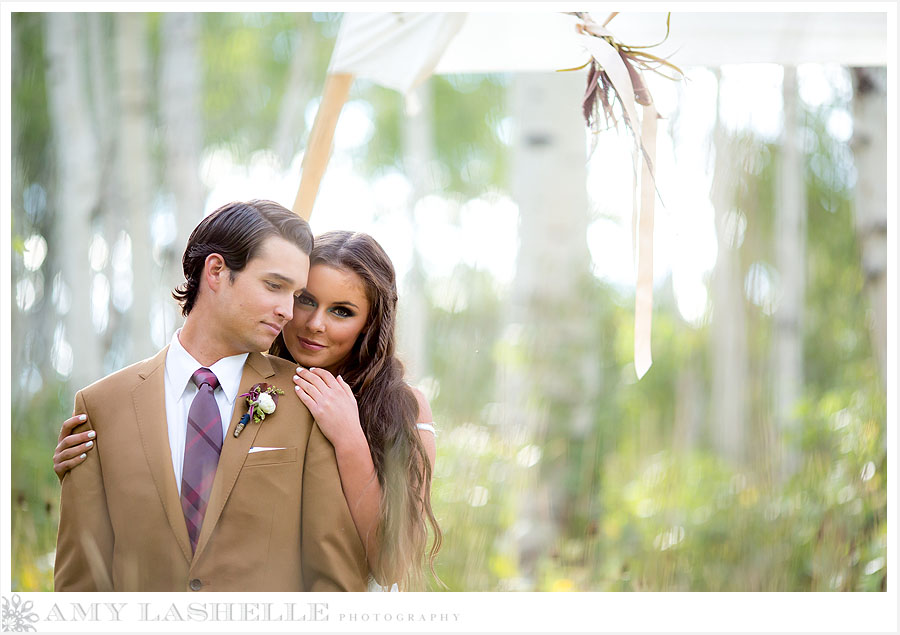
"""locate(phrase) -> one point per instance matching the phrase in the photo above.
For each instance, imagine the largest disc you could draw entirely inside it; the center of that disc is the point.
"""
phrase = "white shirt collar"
(181, 365)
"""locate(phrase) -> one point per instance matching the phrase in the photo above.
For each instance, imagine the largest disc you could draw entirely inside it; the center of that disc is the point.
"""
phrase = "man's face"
(252, 309)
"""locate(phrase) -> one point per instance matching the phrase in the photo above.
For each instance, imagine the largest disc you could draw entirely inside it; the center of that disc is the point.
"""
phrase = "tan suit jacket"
(277, 520)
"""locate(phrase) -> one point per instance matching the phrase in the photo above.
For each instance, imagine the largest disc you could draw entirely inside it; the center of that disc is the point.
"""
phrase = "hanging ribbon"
(615, 74)
(620, 76)
(643, 292)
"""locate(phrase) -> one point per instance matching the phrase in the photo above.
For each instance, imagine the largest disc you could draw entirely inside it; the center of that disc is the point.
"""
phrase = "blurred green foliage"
(650, 516)
(644, 511)
(246, 61)
(466, 115)
(641, 509)
(35, 489)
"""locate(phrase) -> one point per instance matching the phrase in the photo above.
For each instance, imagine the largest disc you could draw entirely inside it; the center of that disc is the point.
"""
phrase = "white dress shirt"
(180, 393)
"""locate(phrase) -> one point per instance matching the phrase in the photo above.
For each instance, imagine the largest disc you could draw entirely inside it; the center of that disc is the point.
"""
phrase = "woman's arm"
(331, 402)
(425, 416)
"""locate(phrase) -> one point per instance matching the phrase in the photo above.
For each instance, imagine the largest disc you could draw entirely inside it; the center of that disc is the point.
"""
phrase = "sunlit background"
(732, 465)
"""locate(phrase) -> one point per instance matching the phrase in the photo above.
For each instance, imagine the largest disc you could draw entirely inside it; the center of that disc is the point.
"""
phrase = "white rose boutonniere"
(266, 403)
(262, 400)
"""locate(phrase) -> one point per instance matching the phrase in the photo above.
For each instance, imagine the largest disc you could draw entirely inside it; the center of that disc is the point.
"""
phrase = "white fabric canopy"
(397, 50)
(400, 50)
(502, 42)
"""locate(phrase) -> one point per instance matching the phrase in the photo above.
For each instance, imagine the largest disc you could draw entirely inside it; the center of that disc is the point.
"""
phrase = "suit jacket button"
(196, 584)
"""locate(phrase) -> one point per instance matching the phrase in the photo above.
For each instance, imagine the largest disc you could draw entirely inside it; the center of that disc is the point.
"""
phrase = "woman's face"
(328, 317)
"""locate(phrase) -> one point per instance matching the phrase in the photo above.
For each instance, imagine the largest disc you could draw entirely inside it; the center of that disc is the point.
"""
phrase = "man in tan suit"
(170, 499)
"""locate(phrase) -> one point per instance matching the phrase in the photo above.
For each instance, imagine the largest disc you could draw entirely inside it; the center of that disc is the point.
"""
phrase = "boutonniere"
(262, 400)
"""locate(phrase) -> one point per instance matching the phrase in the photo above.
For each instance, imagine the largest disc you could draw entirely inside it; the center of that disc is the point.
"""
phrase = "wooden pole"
(318, 150)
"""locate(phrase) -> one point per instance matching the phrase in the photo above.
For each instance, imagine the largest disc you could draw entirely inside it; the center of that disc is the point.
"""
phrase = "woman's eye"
(342, 312)
(304, 299)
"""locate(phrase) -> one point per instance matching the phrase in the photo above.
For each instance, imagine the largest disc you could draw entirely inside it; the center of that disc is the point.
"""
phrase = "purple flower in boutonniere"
(262, 400)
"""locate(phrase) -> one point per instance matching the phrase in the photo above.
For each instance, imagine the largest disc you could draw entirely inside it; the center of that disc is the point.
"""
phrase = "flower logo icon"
(18, 616)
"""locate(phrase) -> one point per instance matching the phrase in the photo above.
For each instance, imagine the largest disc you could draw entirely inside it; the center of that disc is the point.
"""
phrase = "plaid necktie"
(203, 443)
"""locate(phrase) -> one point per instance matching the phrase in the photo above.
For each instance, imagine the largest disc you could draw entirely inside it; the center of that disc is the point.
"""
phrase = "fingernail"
(299, 370)
(82, 417)
(296, 378)
(91, 434)
(297, 388)
(89, 444)
(312, 367)
(83, 456)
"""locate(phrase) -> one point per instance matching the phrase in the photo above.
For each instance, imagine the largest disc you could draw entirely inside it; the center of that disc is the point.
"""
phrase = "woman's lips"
(310, 345)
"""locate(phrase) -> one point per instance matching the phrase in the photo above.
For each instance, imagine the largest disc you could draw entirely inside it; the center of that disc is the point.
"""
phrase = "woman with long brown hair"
(342, 335)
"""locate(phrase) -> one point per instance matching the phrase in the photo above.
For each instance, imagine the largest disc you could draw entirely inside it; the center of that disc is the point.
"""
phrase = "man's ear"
(215, 272)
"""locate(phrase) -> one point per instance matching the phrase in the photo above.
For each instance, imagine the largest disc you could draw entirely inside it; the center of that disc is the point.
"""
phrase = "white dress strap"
(374, 587)
(427, 426)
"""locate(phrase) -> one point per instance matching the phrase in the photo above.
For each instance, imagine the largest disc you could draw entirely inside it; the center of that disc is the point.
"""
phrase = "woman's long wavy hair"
(387, 411)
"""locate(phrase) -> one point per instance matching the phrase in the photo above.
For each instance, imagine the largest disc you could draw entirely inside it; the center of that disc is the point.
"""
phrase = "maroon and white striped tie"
(203, 444)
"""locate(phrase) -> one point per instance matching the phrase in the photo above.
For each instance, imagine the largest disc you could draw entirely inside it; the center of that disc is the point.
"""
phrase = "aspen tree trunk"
(691, 398)
(297, 91)
(182, 125)
(102, 93)
(869, 145)
(729, 323)
(37, 322)
(134, 172)
(111, 222)
(688, 415)
(551, 394)
(790, 260)
(418, 150)
(76, 155)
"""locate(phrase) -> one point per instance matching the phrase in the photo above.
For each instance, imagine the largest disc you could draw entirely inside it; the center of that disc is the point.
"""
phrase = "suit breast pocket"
(271, 457)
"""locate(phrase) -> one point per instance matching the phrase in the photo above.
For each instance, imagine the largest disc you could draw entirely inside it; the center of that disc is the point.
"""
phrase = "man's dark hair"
(235, 231)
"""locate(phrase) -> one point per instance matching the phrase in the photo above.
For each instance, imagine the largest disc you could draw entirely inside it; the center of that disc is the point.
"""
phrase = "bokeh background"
(752, 455)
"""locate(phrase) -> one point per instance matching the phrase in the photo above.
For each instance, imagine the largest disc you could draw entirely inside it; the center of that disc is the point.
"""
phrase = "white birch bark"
(688, 415)
(729, 363)
(418, 150)
(101, 91)
(181, 86)
(111, 221)
(869, 145)
(790, 261)
(134, 171)
(76, 154)
(19, 324)
(297, 91)
(549, 186)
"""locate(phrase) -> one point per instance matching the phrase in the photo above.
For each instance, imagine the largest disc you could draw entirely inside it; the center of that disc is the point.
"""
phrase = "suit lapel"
(150, 409)
(234, 450)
